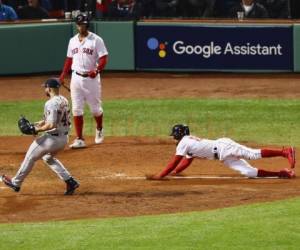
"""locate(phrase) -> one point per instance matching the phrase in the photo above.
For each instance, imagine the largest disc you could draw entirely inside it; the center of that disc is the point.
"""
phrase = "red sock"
(99, 121)
(265, 173)
(271, 153)
(78, 123)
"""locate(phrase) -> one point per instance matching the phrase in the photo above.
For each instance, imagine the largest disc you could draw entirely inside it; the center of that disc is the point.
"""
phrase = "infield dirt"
(111, 174)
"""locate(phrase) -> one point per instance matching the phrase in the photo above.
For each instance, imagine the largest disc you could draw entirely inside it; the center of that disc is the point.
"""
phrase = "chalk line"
(125, 177)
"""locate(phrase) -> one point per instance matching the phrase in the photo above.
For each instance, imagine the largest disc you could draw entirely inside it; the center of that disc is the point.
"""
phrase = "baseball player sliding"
(55, 125)
(226, 150)
(87, 56)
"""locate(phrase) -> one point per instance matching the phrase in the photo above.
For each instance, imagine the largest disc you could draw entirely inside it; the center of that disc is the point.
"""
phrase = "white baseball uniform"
(85, 56)
(56, 111)
(223, 149)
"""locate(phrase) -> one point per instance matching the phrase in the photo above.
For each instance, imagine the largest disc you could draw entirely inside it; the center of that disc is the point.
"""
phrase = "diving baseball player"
(55, 125)
(226, 150)
(87, 56)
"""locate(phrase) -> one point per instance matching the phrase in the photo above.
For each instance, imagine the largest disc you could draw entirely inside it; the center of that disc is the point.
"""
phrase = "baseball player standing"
(226, 150)
(87, 57)
(56, 125)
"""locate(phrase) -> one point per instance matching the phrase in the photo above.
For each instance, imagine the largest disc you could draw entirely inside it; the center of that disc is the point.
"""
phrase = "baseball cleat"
(78, 143)
(7, 181)
(72, 184)
(99, 136)
(287, 174)
(290, 154)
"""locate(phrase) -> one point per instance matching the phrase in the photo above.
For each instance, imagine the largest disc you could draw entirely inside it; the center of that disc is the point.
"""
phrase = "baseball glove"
(26, 127)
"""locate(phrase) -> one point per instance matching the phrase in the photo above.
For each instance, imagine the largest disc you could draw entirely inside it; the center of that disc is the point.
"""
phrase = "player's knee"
(251, 173)
(77, 112)
(97, 111)
(48, 159)
(252, 154)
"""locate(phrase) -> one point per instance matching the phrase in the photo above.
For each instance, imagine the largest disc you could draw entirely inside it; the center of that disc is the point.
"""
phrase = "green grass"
(259, 226)
(260, 121)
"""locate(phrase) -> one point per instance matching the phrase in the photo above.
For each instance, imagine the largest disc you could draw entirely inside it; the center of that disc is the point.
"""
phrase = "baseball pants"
(44, 147)
(234, 155)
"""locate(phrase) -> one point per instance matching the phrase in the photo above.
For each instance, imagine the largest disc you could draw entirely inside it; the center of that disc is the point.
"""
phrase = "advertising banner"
(228, 48)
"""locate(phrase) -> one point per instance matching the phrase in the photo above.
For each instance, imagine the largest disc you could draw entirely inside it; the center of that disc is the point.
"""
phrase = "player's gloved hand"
(93, 73)
(175, 174)
(26, 127)
(151, 177)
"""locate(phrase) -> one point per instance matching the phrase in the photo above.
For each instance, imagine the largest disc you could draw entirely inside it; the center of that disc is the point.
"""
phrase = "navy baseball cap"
(52, 83)
(82, 19)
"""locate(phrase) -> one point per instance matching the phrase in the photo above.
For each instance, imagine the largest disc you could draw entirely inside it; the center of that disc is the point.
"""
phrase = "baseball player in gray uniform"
(226, 150)
(55, 125)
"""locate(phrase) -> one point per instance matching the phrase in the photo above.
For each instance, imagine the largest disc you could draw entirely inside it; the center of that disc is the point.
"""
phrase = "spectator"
(295, 8)
(251, 9)
(46, 4)
(88, 6)
(71, 5)
(128, 9)
(222, 7)
(58, 9)
(15, 4)
(102, 7)
(7, 13)
(148, 9)
(197, 8)
(166, 8)
(32, 11)
(277, 8)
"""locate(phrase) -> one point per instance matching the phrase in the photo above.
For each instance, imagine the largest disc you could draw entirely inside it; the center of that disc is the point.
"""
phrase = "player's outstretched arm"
(184, 163)
(168, 169)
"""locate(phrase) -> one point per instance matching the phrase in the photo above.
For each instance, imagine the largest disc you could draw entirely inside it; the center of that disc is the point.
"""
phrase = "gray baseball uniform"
(56, 111)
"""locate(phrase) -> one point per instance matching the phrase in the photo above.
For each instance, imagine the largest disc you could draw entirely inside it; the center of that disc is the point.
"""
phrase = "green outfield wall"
(119, 40)
(35, 48)
(297, 48)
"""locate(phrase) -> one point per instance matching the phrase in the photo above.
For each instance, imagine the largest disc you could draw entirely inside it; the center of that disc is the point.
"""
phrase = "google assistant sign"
(206, 51)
